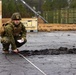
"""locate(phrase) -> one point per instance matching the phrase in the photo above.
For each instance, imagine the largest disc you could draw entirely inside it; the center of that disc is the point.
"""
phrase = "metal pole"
(31, 63)
(33, 10)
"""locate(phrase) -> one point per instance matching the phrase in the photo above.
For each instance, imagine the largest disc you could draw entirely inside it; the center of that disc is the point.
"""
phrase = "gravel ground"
(62, 64)
(50, 40)
(50, 64)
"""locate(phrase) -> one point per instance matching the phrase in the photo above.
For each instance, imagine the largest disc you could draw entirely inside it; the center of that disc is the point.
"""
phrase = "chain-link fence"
(61, 16)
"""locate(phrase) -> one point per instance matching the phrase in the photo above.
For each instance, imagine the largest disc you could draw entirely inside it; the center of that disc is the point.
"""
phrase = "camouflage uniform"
(12, 33)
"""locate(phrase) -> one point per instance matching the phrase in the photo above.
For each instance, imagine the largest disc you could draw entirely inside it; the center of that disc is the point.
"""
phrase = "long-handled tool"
(31, 63)
(36, 13)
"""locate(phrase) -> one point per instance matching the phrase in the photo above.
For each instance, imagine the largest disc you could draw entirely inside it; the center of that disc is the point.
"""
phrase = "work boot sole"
(5, 52)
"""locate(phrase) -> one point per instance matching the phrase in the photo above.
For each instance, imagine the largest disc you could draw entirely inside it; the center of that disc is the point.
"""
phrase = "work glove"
(20, 40)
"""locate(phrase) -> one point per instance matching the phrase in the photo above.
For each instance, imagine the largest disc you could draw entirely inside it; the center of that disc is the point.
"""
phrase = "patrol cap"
(16, 16)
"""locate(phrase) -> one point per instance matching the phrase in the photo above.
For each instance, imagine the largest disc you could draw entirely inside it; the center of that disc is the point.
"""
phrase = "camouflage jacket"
(12, 32)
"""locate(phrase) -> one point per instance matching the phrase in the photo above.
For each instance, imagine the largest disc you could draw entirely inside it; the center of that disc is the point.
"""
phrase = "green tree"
(10, 6)
(4, 8)
(73, 4)
(58, 4)
(47, 5)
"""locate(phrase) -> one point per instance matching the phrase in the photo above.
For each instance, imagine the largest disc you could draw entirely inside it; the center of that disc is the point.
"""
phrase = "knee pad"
(5, 40)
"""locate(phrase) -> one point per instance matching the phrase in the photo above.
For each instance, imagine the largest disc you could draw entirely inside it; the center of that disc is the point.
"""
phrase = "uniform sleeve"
(9, 34)
(24, 31)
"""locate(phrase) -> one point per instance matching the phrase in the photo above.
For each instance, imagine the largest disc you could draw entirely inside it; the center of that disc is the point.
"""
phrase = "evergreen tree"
(58, 4)
(73, 4)
(47, 5)
(10, 6)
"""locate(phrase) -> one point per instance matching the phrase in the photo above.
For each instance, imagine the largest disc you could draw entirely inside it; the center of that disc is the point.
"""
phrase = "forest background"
(46, 8)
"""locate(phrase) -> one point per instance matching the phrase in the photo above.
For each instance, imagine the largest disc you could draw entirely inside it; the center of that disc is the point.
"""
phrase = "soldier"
(14, 34)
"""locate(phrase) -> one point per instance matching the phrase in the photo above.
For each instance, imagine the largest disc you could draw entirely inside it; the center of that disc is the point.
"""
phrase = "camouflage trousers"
(6, 43)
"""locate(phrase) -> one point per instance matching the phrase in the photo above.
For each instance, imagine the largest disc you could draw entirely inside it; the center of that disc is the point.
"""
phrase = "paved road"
(13, 64)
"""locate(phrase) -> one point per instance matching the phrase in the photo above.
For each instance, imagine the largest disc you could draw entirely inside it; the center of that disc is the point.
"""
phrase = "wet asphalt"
(61, 64)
